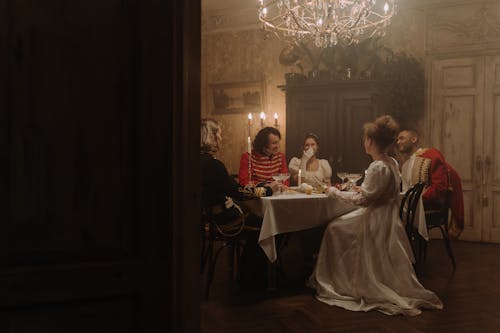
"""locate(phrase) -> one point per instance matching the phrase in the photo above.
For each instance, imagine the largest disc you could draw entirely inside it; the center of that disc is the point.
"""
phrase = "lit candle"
(262, 118)
(275, 119)
(300, 176)
(249, 124)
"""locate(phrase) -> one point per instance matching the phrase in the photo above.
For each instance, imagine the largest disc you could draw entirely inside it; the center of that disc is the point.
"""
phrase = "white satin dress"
(365, 259)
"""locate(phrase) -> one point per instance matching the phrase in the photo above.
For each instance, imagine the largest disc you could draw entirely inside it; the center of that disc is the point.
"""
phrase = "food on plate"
(342, 186)
(306, 188)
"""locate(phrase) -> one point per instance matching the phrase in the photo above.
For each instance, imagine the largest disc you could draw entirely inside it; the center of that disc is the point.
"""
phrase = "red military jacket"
(431, 168)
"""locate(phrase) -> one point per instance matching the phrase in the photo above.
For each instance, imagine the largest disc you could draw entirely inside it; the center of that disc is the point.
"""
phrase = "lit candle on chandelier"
(275, 119)
(262, 118)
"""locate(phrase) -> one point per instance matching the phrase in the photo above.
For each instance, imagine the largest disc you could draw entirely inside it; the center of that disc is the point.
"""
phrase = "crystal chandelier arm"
(326, 21)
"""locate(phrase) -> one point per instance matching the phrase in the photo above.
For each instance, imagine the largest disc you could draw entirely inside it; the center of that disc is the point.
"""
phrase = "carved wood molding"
(226, 20)
(466, 26)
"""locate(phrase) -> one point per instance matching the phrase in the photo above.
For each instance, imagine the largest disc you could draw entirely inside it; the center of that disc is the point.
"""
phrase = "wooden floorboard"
(471, 297)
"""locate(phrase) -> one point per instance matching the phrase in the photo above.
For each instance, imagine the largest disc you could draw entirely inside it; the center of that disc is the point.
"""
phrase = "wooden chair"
(407, 213)
(438, 218)
(228, 236)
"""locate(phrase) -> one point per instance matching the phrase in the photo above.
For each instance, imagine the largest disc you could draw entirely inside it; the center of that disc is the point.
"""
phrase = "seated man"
(266, 159)
(428, 165)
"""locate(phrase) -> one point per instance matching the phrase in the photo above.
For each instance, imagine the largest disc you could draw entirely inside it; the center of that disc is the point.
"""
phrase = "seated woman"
(314, 171)
(218, 190)
(365, 260)
(218, 187)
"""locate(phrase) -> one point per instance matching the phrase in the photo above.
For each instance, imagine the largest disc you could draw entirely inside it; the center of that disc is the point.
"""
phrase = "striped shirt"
(262, 167)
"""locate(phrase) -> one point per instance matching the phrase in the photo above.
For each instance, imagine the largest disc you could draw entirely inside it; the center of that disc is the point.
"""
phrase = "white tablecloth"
(295, 212)
(420, 222)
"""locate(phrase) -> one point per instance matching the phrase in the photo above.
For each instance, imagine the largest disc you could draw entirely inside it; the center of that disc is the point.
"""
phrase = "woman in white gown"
(365, 260)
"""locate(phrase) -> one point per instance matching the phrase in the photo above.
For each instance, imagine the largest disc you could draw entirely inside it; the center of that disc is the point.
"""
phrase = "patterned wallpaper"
(234, 54)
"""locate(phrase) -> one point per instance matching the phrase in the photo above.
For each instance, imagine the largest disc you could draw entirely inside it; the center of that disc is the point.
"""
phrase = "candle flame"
(262, 115)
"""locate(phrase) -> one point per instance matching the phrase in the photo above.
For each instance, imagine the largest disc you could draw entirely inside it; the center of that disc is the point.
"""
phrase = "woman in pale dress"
(365, 260)
(314, 171)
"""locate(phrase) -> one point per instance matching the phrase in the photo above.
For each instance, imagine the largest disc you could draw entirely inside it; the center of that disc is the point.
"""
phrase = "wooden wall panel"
(72, 185)
(458, 127)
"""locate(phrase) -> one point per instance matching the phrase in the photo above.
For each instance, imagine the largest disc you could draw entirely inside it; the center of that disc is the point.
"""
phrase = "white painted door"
(491, 168)
(456, 126)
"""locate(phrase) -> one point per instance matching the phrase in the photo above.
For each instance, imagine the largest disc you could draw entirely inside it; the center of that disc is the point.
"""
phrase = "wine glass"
(353, 178)
(342, 175)
(278, 177)
(284, 176)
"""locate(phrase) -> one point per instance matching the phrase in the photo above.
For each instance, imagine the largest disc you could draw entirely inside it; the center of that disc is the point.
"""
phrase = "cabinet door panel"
(336, 112)
(310, 113)
(354, 111)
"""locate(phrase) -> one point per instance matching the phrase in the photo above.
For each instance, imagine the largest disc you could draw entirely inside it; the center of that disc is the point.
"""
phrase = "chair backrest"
(436, 216)
(408, 207)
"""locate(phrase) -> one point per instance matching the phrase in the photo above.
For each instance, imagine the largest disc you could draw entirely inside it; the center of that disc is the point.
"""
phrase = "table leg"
(271, 275)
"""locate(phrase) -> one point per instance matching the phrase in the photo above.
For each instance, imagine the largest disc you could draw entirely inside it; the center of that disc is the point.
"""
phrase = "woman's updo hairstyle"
(383, 131)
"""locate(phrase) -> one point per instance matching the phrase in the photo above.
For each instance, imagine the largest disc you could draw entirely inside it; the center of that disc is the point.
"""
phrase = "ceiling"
(208, 5)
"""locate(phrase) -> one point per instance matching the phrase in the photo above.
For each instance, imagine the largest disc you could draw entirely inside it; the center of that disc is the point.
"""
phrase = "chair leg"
(211, 264)
(204, 254)
(232, 248)
(447, 244)
(211, 267)
(238, 255)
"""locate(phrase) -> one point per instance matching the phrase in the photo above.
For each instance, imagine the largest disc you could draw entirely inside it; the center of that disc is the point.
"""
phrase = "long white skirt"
(365, 263)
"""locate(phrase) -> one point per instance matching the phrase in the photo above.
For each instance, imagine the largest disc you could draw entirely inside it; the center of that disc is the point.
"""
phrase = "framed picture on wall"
(238, 97)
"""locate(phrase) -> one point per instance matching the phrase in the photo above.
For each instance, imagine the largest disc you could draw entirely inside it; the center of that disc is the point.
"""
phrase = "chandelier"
(326, 22)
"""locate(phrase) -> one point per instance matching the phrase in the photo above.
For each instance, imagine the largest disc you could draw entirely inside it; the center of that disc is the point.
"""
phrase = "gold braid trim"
(421, 170)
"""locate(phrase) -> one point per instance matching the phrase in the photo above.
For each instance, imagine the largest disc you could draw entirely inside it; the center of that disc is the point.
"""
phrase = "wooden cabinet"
(336, 112)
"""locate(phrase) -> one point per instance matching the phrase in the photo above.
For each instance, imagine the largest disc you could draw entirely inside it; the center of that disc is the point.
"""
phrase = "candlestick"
(249, 146)
(249, 124)
(249, 149)
(262, 118)
(275, 119)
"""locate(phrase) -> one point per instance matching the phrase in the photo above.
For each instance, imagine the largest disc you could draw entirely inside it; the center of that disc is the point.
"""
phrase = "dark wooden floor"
(471, 298)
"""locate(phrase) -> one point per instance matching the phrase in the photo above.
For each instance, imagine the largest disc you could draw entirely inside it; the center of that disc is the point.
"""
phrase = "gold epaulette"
(421, 151)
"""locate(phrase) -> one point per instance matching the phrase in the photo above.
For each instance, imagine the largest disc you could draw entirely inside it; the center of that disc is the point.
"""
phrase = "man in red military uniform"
(266, 159)
(428, 165)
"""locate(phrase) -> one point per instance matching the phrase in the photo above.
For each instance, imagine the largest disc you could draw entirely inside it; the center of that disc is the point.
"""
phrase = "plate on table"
(291, 191)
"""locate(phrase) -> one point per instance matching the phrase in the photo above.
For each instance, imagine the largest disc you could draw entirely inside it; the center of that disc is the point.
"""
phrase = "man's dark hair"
(262, 138)
(412, 131)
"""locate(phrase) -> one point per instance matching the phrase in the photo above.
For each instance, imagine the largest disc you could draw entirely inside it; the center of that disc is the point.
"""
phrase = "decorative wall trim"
(229, 20)
(467, 27)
